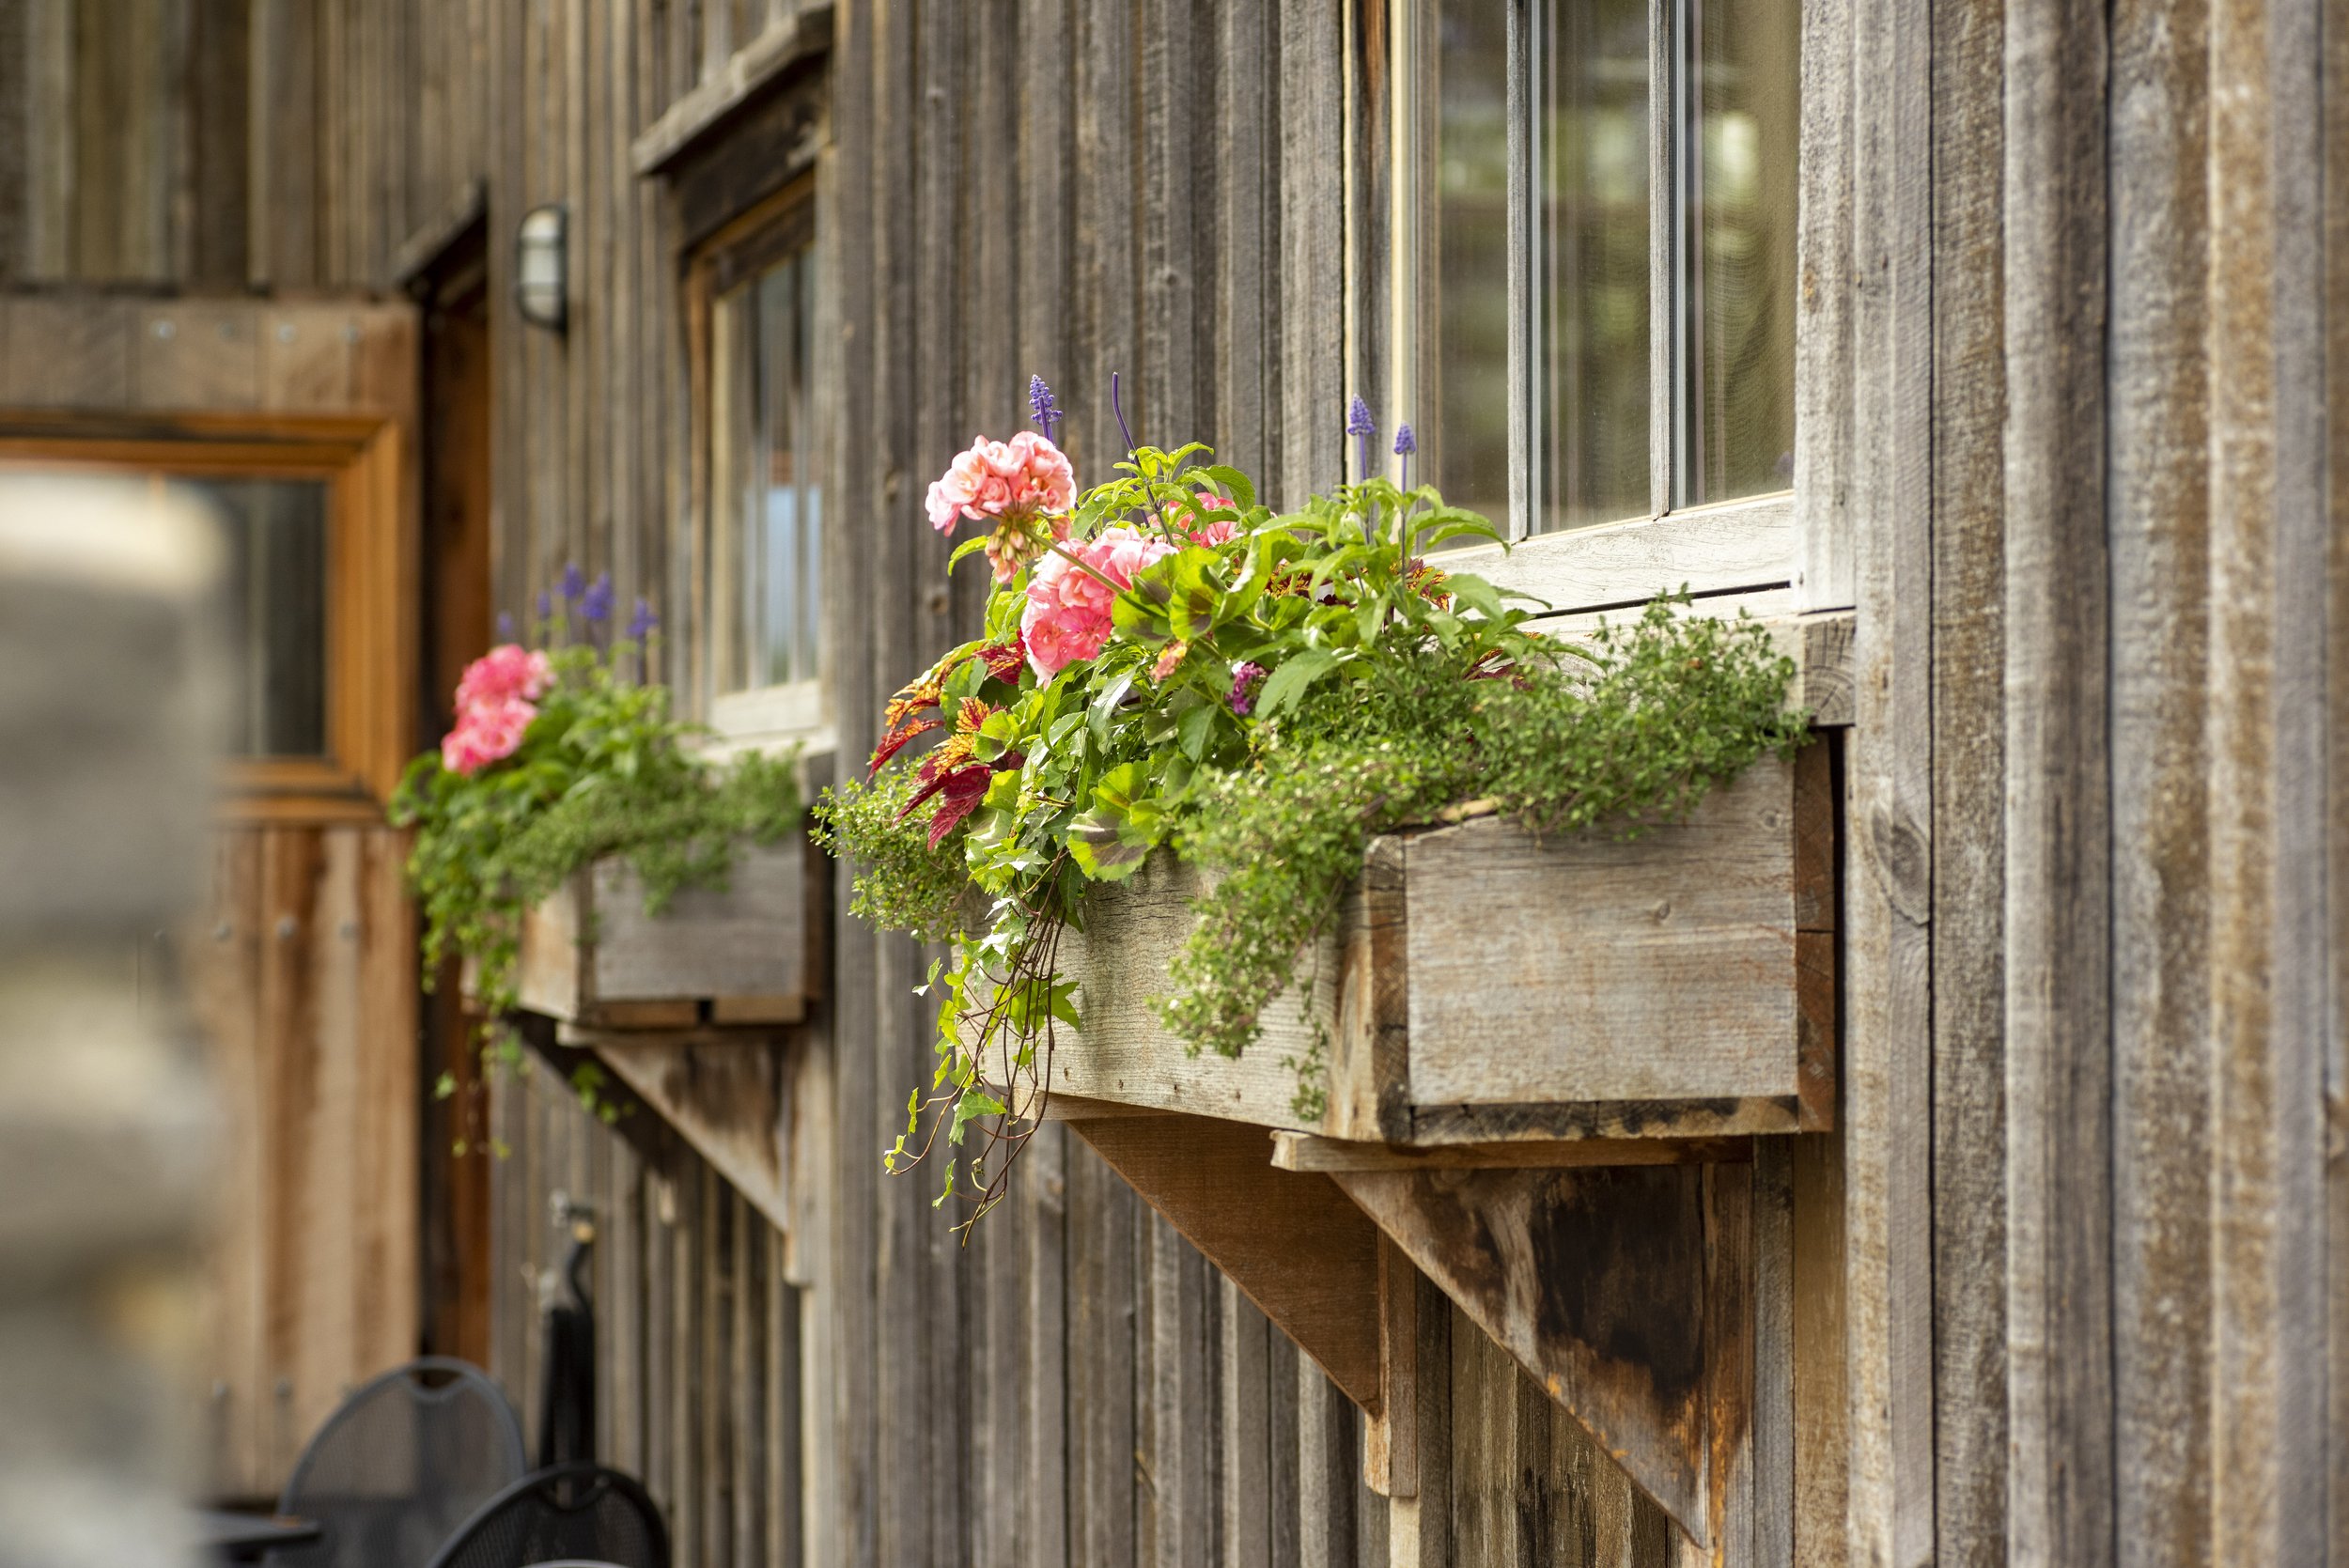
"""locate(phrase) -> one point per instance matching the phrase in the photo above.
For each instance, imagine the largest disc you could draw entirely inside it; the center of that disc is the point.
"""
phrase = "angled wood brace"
(1624, 1291)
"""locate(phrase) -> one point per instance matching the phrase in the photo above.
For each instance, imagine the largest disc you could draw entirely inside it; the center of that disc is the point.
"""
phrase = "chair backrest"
(578, 1511)
(402, 1462)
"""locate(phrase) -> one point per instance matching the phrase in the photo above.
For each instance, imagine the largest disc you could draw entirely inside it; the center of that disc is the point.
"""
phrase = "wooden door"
(456, 620)
(299, 970)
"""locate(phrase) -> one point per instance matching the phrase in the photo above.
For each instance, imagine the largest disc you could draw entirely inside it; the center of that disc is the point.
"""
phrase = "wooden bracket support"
(1626, 1292)
(1290, 1240)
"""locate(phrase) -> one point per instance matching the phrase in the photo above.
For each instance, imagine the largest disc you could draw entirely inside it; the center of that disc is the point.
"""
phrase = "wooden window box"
(1485, 986)
(748, 954)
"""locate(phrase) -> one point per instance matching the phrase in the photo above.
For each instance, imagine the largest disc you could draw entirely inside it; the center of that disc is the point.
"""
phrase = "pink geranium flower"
(497, 700)
(486, 733)
(994, 481)
(1066, 619)
(506, 672)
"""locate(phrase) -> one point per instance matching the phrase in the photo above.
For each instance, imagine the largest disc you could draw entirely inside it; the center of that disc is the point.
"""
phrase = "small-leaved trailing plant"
(559, 757)
(1171, 664)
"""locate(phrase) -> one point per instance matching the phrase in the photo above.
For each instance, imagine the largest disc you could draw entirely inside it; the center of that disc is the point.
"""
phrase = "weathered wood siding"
(1077, 1386)
(301, 970)
(2074, 396)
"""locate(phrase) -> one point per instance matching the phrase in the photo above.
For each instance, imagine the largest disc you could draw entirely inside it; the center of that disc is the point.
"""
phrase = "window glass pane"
(765, 581)
(1585, 308)
(1748, 54)
(1590, 262)
(1467, 444)
(275, 532)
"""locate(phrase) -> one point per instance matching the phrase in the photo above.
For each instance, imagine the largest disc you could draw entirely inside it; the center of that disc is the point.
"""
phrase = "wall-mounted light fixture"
(541, 286)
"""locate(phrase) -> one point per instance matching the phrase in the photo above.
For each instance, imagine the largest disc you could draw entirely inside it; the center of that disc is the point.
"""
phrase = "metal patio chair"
(577, 1510)
(401, 1465)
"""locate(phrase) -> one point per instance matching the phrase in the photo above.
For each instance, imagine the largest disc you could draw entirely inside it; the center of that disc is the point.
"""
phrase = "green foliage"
(1667, 707)
(905, 885)
(602, 769)
(1262, 704)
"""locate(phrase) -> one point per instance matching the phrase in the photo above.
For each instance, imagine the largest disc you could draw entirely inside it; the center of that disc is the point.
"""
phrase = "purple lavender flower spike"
(1362, 427)
(574, 582)
(642, 623)
(505, 626)
(546, 606)
(1048, 412)
(1405, 445)
(595, 605)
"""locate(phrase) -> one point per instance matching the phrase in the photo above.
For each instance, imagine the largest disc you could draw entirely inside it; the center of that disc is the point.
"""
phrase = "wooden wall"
(1077, 1386)
(2088, 268)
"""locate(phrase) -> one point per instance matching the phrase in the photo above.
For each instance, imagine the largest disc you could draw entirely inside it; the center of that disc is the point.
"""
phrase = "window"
(1614, 211)
(311, 593)
(275, 586)
(763, 661)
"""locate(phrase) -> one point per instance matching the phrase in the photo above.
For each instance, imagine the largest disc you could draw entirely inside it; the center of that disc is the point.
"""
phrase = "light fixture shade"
(541, 285)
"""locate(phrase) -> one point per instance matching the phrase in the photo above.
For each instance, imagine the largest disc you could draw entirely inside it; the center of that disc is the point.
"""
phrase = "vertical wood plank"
(216, 218)
(1244, 1439)
(2058, 1145)
(1887, 1006)
(2158, 446)
(1045, 1359)
(1968, 776)
(1103, 1226)
(1825, 573)
(282, 243)
(2269, 536)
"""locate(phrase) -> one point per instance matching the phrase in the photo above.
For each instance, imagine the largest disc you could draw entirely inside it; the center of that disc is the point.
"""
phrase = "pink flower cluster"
(1067, 614)
(998, 479)
(497, 700)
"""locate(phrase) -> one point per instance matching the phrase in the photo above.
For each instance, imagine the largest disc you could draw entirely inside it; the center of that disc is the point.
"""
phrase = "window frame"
(1754, 553)
(799, 712)
(368, 585)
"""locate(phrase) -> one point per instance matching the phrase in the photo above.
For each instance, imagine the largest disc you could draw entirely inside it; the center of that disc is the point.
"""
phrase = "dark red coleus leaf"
(1003, 659)
(958, 795)
(896, 739)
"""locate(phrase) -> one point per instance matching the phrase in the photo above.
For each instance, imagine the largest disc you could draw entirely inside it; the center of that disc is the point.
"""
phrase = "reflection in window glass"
(1590, 262)
(1742, 377)
(1587, 254)
(766, 547)
(1468, 445)
(275, 533)
(1557, 260)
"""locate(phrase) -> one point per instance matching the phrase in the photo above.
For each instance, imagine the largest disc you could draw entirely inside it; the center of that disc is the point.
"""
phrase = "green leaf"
(1110, 841)
(1232, 482)
(1193, 728)
(1105, 706)
(1289, 682)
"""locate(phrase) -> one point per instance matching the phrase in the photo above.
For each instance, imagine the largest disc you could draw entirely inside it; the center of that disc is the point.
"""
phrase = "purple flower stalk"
(505, 626)
(574, 582)
(595, 605)
(642, 623)
(1048, 414)
(546, 606)
(1245, 679)
(1362, 427)
(1405, 445)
